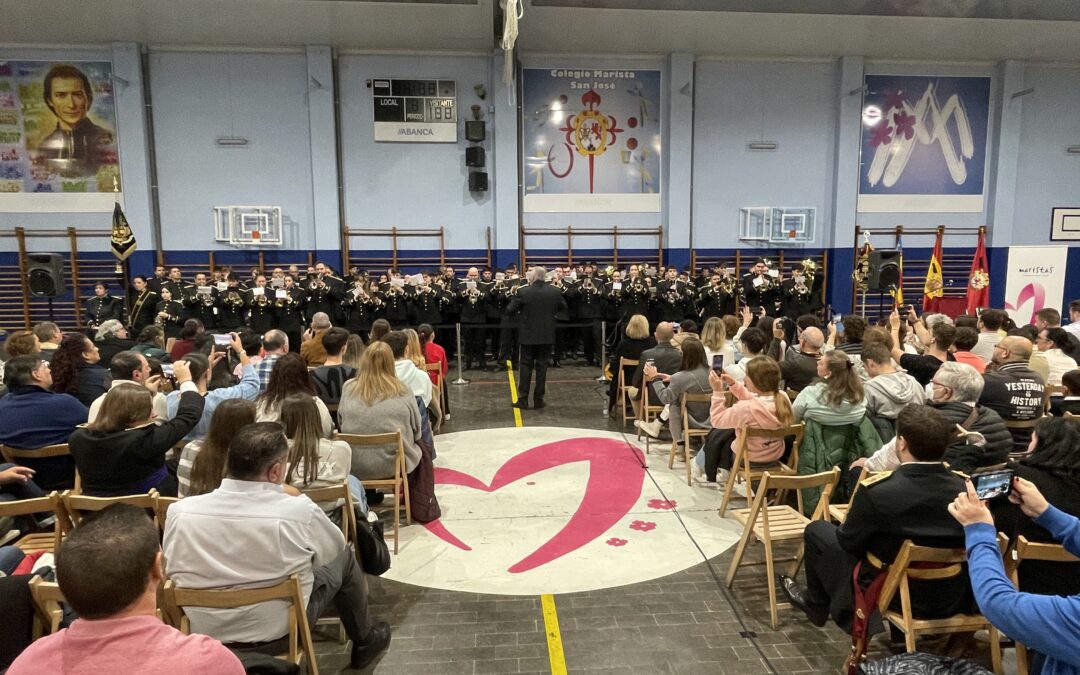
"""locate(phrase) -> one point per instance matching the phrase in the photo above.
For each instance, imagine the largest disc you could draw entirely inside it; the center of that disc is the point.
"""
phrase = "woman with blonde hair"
(714, 338)
(377, 402)
(837, 398)
(636, 339)
(759, 403)
(123, 451)
(315, 461)
(413, 351)
(354, 350)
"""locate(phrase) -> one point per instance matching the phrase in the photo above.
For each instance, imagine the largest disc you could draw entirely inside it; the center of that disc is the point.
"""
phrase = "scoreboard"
(415, 111)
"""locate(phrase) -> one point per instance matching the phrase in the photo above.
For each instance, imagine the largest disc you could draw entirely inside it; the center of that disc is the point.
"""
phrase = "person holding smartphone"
(201, 368)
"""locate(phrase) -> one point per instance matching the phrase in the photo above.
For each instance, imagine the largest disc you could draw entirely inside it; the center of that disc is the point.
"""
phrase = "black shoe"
(378, 640)
(374, 497)
(537, 405)
(796, 594)
(521, 404)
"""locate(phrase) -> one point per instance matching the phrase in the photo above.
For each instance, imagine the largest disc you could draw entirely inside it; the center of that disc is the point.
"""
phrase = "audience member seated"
(131, 368)
(76, 369)
(752, 344)
(22, 343)
(250, 533)
(1047, 624)
(151, 344)
(908, 503)
(275, 344)
(990, 323)
(415, 379)
(1070, 402)
(377, 402)
(759, 403)
(888, 391)
(1053, 466)
(290, 376)
(192, 329)
(838, 398)
(109, 569)
(16, 483)
(986, 442)
(433, 353)
(202, 462)
(1052, 343)
(123, 452)
(201, 369)
(315, 461)
(1012, 390)
(937, 341)
(32, 416)
(312, 347)
(354, 349)
(665, 357)
(252, 343)
(687, 329)
(379, 329)
(966, 339)
(714, 339)
(1048, 317)
(801, 367)
(635, 340)
(332, 375)
(691, 378)
(112, 338)
(49, 338)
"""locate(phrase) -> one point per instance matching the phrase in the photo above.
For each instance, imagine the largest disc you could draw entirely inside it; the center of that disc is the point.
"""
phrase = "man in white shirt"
(415, 379)
(1074, 317)
(249, 533)
(131, 368)
(990, 322)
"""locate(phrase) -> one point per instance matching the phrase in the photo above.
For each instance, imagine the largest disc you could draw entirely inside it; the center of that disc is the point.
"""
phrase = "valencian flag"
(123, 240)
(934, 288)
(898, 294)
(978, 292)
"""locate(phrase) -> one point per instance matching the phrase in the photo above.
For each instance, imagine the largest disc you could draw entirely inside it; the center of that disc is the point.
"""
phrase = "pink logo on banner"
(1034, 292)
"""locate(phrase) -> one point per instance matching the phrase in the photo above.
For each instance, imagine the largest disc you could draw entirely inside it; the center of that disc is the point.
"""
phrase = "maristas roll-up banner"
(1036, 279)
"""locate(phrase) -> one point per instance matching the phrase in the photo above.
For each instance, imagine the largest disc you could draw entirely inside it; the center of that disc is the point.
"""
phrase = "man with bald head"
(536, 306)
(1013, 390)
(799, 367)
(665, 356)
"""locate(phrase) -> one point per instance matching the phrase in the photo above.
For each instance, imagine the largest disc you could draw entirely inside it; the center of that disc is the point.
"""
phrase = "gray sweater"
(395, 414)
(685, 382)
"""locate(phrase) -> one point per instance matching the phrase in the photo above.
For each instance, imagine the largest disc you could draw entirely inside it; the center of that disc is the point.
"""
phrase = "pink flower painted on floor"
(663, 504)
(615, 541)
(642, 526)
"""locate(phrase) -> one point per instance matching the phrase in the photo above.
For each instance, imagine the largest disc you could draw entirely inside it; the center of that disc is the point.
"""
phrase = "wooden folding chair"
(1028, 550)
(688, 432)
(39, 541)
(47, 610)
(624, 398)
(335, 494)
(398, 482)
(1053, 390)
(300, 642)
(439, 384)
(646, 412)
(927, 563)
(161, 509)
(838, 512)
(13, 455)
(75, 506)
(769, 524)
(741, 468)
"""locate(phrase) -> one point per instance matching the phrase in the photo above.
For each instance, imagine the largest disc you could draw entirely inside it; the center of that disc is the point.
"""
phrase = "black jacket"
(538, 304)
(965, 457)
(666, 358)
(110, 347)
(1015, 392)
(94, 380)
(112, 463)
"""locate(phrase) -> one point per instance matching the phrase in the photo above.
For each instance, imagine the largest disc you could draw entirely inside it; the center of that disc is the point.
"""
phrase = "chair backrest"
(1031, 550)
(934, 563)
(1070, 416)
(289, 590)
(1020, 424)
(25, 507)
(47, 598)
(796, 430)
(688, 398)
(625, 363)
(161, 509)
(76, 506)
(13, 454)
(826, 480)
(435, 368)
(391, 438)
(334, 493)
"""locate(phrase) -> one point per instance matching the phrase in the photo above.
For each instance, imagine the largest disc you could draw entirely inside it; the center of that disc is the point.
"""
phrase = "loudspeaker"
(45, 274)
(478, 181)
(884, 272)
(475, 131)
(474, 157)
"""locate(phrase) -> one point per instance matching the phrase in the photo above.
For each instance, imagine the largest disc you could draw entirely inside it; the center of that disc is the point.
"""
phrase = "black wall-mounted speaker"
(478, 181)
(474, 156)
(884, 272)
(45, 274)
(475, 131)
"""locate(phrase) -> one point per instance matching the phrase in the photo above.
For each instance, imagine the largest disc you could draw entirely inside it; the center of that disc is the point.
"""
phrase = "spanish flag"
(934, 288)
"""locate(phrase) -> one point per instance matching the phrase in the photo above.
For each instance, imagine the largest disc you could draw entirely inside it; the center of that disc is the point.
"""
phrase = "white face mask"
(929, 391)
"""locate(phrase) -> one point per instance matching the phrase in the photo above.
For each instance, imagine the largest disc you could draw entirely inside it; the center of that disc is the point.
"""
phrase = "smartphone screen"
(718, 363)
(222, 342)
(993, 484)
(167, 369)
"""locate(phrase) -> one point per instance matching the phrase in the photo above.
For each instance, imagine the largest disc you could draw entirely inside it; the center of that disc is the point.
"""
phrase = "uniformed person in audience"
(103, 307)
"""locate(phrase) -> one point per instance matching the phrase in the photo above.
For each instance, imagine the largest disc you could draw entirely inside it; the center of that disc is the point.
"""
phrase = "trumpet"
(472, 294)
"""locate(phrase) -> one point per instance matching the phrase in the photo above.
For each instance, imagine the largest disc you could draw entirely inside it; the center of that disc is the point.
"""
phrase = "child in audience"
(315, 461)
(837, 398)
(202, 462)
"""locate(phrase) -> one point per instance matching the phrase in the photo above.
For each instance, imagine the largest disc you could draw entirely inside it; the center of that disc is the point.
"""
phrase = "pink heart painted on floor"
(614, 486)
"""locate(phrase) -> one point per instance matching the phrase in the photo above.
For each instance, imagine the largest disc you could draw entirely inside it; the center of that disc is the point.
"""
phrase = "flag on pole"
(123, 240)
(898, 292)
(978, 292)
(934, 288)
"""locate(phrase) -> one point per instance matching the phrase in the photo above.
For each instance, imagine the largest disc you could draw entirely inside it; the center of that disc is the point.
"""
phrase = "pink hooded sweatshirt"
(749, 410)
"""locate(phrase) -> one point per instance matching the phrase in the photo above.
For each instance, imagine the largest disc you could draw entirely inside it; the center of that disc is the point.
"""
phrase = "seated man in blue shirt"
(202, 370)
(32, 416)
(1049, 624)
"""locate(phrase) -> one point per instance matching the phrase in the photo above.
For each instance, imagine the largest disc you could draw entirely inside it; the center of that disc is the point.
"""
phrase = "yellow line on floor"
(554, 637)
(513, 399)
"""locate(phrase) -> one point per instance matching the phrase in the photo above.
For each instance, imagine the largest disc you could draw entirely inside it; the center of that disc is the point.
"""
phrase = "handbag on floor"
(374, 553)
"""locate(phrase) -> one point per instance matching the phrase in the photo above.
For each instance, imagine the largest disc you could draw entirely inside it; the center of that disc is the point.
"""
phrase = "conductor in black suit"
(537, 304)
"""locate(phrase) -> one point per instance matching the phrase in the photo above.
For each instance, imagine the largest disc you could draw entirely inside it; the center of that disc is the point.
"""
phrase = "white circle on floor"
(538, 510)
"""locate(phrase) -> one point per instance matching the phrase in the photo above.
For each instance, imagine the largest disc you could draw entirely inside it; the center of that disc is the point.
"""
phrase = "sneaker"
(739, 488)
(652, 428)
(446, 417)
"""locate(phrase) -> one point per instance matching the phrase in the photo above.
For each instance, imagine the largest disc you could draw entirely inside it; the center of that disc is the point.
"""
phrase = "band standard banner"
(1036, 279)
(591, 140)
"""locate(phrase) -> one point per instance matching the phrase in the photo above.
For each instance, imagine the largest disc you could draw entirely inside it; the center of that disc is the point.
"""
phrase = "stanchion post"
(460, 379)
(603, 352)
